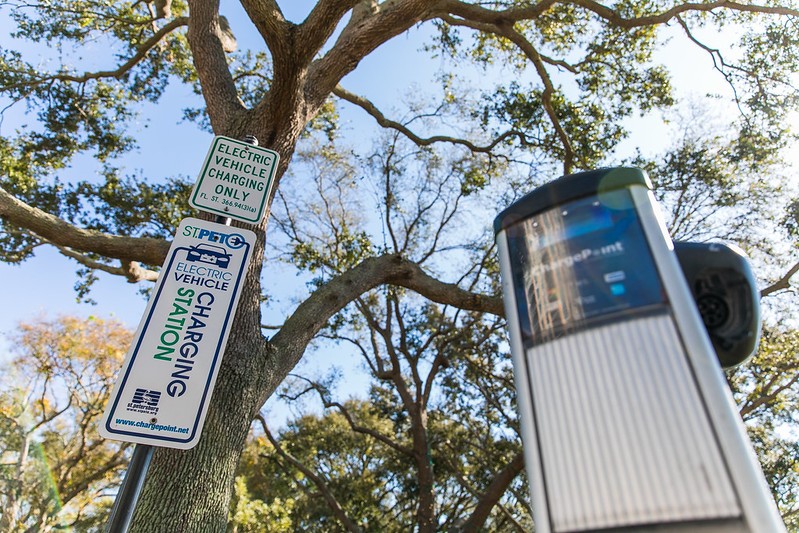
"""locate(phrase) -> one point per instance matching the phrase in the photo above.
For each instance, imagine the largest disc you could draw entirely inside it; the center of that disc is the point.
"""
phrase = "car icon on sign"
(208, 253)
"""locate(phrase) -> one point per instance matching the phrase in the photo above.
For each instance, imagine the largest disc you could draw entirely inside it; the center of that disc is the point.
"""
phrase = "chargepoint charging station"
(627, 421)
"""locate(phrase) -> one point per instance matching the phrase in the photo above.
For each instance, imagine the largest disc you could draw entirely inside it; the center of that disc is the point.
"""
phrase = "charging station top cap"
(567, 188)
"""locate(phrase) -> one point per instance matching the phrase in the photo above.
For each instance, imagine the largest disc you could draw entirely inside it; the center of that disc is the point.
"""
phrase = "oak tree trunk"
(189, 490)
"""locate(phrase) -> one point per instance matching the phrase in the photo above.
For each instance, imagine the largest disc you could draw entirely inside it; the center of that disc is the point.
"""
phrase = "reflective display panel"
(580, 263)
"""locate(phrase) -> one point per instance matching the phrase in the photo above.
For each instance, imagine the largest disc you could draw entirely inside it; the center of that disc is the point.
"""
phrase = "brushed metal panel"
(620, 432)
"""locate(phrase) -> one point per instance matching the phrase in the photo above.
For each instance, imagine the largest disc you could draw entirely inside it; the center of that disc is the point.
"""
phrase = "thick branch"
(282, 113)
(320, 24)
(493, 493)
(64, 234)
(371, 29)
(204, 36)
(317, 480)
(273, 27)
(311, 315)
(136, 273)
(781, 284)
(132, 270)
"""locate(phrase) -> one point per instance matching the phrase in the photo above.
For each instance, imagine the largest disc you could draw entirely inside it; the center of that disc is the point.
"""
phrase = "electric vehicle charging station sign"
(235, 180)
(162, 395)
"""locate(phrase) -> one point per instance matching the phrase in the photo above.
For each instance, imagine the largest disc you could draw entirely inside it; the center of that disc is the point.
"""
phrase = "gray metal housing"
(628, 424)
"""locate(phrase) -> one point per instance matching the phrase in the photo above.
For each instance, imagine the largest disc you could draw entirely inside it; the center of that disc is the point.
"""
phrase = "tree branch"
(505, 29)
(370, 29)
(661, 18)
(61, 233)
(311, 315)
(718, 61)
(272, 25)
(320, 24)
(99, 472)
(132, 270)
(317, 480)
(120, 71)
(381, 119)
(478, 13)
(219, 91)
(781, 284)
(328, 404)
(493, 493)
(367, 431)
(770, 397)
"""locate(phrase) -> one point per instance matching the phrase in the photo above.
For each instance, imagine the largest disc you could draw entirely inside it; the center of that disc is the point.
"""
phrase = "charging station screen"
(580, 262)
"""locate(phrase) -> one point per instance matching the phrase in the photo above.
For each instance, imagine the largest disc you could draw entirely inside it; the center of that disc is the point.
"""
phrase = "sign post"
(162, 395)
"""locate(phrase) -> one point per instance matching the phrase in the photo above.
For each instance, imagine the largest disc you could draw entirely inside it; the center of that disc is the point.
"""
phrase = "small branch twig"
(385, 122)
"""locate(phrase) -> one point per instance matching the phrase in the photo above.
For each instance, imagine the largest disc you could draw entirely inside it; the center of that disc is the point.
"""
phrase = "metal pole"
(128, 495)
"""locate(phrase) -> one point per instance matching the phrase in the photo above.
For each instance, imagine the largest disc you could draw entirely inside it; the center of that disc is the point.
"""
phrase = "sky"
(43, 285)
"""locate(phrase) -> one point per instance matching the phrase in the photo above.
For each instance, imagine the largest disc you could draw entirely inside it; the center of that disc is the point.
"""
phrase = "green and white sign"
(235, 180)
(162, 393)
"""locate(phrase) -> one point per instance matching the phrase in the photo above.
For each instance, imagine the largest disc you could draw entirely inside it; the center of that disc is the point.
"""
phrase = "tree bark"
(493, 493)
(426, 512)
(189, 491)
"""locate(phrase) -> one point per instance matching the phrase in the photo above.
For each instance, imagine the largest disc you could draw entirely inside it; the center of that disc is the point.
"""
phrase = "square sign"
(162, 393)
(235, 180)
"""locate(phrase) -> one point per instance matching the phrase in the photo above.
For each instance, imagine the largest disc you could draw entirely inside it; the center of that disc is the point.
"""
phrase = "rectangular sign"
(162, 394)
(235, 180)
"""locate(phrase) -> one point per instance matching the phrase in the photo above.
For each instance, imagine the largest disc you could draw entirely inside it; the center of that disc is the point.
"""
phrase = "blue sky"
(44, 285)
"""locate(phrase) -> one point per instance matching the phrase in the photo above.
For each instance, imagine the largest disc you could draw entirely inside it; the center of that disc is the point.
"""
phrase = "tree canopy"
(555, 86)
(56, 471)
